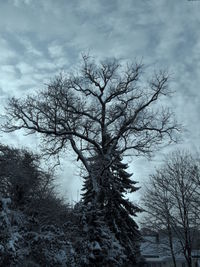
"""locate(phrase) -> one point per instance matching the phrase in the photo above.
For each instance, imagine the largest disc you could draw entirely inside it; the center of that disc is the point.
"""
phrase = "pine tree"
(96, 245)
(112, 183)
(119, 210)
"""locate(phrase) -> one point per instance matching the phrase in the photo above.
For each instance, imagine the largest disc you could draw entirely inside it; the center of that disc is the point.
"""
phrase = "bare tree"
(103, 112)
(172, 202)
(158, 205)
(101, 100)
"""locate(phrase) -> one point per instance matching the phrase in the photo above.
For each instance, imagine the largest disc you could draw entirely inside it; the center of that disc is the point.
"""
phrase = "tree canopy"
(106, 98)
(104, 112)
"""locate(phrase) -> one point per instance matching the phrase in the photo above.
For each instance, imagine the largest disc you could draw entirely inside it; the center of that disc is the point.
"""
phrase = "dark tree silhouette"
(83, 109)
(116, 208)
(172, 202)
(21, 177)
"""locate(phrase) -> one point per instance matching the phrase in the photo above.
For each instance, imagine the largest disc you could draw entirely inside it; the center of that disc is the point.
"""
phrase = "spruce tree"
(113, 183)
(119, 210)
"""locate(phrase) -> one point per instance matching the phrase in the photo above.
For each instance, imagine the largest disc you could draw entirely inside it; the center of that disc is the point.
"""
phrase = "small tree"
(84, 109)
(29, 186)
(171, 202)
(21, 176)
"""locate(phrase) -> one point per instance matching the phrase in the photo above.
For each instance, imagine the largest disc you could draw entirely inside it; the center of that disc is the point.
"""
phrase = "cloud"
(29, 47)
(7, 54)
(18, 3)
(55, 50)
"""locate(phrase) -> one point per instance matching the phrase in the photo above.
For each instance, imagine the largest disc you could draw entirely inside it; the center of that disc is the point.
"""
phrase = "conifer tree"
(118, 211)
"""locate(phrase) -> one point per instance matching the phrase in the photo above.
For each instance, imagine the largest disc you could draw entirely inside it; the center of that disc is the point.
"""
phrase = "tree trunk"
(171, 245)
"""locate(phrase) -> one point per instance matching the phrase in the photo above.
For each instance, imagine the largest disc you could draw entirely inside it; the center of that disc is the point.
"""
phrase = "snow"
(95, 246)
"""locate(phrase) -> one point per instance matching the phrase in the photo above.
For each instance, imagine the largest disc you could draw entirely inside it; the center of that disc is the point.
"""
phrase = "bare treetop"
(105, 99)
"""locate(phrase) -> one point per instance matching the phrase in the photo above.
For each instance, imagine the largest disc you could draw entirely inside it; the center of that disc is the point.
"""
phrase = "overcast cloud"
(39, 38)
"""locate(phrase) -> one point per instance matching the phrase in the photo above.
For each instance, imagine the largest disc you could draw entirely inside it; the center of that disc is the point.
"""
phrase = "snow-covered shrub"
(95, 245)
(49, 247)
(24, 243)
(13, 246)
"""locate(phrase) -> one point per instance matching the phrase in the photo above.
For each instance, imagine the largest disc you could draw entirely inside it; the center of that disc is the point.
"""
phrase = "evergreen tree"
(97, 245)
(114, 182)
(119, 210)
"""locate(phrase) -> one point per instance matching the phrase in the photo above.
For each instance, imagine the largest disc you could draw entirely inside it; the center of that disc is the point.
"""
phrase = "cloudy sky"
(39, 38)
